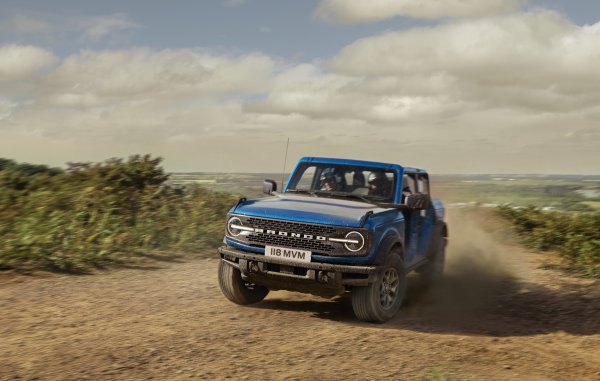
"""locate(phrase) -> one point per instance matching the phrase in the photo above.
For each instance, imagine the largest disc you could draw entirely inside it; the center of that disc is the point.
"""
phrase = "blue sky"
(285, 28)
(425, 83)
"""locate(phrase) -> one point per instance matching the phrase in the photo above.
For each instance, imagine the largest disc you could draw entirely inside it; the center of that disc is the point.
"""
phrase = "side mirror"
(269, 186)
(417, 201)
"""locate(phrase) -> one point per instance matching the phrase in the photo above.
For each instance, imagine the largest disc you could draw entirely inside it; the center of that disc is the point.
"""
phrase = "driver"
(379, 185)
(330, 180)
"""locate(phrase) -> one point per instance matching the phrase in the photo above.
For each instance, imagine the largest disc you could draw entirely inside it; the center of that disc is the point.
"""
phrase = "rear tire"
(433, 270)
(381, 300)
(238, 290)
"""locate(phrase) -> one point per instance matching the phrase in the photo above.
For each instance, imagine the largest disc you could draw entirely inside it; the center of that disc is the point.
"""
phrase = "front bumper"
(324, 279)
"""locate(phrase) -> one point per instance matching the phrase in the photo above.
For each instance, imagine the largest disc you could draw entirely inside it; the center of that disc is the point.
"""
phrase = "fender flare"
(387, 243)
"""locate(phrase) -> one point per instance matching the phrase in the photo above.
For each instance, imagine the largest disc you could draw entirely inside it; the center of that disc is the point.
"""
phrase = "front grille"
(273, 240)
(296, 227)
(290, 234)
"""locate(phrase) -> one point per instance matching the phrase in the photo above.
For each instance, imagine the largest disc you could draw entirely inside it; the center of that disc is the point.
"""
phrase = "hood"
(320, 210)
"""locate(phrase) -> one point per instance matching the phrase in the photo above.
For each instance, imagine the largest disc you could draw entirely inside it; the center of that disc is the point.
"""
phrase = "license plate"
(292, 255)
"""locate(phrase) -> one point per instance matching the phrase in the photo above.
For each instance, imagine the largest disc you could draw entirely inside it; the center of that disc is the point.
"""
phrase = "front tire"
(238, 290)
(381, 300)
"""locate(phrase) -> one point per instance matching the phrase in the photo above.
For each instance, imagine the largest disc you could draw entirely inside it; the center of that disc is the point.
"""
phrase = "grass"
(117, 211)
(575, 236)
(92, 215)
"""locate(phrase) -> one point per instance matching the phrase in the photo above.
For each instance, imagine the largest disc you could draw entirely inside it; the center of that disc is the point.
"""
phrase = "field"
(118, 211)
(565, 193)
(549, 213)
(498, 315)
(146, 302)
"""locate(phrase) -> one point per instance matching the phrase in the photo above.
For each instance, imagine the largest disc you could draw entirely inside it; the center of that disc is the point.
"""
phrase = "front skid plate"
(226, 251)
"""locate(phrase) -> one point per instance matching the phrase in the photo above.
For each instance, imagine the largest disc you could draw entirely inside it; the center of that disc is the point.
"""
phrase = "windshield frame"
(295, 177)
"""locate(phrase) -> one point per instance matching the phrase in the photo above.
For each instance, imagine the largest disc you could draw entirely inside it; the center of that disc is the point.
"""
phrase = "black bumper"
(322, 279)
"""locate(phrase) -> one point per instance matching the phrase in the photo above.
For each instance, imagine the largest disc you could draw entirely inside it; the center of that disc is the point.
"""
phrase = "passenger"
(358, 180)
(379, 185)
(406, 191)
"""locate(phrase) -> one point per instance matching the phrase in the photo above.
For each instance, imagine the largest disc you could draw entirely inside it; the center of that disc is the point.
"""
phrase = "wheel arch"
(391, 242)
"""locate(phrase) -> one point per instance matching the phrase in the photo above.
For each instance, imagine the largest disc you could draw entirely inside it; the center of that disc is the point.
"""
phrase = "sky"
(452, 86)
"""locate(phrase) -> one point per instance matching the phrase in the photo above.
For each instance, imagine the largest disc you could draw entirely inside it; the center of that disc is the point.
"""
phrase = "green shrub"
(92, 214)
(575, 236)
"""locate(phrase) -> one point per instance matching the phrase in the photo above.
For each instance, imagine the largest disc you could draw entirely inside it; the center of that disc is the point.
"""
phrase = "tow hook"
(256, 267)
(322, 277)
(253, 266)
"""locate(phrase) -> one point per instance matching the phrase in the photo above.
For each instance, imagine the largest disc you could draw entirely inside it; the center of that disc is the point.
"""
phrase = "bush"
(92, 214)
(575, 236)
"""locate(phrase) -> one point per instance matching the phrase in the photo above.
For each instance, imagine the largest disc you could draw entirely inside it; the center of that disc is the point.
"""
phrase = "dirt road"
(497, 316)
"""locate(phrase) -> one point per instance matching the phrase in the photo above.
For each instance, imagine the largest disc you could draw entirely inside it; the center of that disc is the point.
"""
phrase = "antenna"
(284, 162)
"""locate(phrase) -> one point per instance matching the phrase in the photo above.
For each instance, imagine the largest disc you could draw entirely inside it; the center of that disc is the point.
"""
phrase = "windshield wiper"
(345, 195)
(356, 196)
(305, 191)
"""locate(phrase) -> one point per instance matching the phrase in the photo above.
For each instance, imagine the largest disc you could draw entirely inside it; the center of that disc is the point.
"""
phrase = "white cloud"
(139, 95)
(537, 61)
(345, 11)
(21, 61)
(518, 92)
(114, 76)
(505, 88)
(97, 28)
(527, 63)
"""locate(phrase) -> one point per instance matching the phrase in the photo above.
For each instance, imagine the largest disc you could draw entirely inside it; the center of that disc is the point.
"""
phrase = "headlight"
(233, 226)
(354, 241)
(236, 228)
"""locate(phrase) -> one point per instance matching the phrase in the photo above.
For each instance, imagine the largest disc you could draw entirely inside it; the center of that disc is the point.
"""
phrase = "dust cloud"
(480, 268)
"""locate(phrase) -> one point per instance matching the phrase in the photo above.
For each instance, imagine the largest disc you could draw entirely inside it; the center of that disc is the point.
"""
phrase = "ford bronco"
(337, 226)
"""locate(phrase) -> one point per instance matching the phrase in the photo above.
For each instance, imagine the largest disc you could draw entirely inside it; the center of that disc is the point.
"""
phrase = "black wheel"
(433, 270)
(381, 300)
(236, 289)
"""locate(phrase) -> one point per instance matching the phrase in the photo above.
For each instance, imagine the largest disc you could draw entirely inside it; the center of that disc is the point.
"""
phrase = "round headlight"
(230, 226)
(358, 238)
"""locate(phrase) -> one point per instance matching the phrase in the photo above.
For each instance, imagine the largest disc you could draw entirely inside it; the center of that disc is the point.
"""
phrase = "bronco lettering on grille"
(293, 235)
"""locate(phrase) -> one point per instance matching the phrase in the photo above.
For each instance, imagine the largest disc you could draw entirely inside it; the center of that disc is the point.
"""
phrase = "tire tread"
(365, 302)
(232, 286)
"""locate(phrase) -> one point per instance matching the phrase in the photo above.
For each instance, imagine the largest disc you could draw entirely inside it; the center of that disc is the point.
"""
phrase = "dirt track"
(497, 316)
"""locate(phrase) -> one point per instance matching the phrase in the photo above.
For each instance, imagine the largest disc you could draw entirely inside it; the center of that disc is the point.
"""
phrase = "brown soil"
(498, 315)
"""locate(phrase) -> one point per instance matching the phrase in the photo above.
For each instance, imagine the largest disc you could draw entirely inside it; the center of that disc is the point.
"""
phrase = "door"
(426, 218)
(418, 226)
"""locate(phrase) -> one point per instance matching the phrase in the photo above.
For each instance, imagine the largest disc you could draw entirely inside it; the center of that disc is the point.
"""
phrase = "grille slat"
(287, 226)
(297, 227)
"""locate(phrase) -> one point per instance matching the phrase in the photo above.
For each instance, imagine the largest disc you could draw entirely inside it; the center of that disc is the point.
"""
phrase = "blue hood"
(318, 210)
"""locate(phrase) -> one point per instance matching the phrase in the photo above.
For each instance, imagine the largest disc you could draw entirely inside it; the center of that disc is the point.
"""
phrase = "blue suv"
(337, 226)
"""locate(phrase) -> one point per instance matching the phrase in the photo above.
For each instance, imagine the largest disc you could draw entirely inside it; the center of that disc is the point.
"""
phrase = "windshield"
(329, 180)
